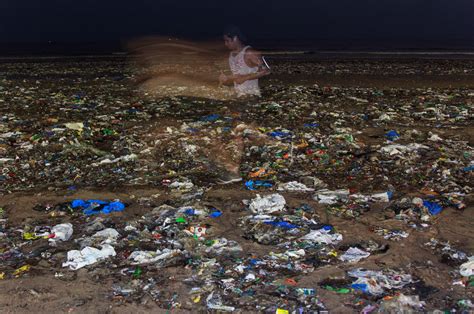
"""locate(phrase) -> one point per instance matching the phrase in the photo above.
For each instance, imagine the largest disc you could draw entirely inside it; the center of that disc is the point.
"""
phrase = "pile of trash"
(315, 161)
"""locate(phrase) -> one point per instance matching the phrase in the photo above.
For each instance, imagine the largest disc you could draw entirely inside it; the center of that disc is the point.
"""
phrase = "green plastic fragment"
(108, 131)
(338, 290)
(181, 220)
(137, 272)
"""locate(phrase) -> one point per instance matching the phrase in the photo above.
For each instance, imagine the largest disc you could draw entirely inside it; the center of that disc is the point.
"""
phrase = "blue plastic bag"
(215, 214)
(392, 135)
(327, 228)
(91, 207)
(190, 212)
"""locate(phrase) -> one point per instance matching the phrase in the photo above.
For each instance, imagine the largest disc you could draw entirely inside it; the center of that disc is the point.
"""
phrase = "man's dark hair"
(233, 31)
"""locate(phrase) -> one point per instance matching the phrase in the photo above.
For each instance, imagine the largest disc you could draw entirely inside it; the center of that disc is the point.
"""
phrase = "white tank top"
(238, 66)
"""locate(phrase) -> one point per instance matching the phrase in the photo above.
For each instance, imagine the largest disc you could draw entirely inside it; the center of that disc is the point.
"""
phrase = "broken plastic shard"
(150, 257)
(77, 126)
(214, 302)
(223, 246)
(267, 204)
(331, 197)
(323, 236)
(354, 254)
(402, 304)
(108, 235)
(397, 149)
(126, 158)
(294, 186)
(467, 269)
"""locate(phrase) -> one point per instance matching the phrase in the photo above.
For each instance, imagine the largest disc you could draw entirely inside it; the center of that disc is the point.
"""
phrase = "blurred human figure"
(246, 64)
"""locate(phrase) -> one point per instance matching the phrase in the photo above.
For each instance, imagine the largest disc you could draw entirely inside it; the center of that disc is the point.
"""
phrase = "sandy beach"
(84, 128)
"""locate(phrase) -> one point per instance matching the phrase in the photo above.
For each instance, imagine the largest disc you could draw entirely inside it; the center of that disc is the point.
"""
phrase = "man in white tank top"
(246, 64)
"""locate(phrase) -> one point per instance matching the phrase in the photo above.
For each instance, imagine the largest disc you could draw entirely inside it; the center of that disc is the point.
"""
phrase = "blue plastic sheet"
(360, 286)
(211, 118)
(193, 130)
(467, 169)
(281, 224)
(254, 184)
(433, 208)
(253, 261)
(279, 134)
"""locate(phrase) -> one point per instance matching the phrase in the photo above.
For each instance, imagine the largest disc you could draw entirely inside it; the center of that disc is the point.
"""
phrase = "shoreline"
(270, 52)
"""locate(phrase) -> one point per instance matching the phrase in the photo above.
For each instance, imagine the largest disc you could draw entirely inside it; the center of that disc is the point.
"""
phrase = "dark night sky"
(106, 20)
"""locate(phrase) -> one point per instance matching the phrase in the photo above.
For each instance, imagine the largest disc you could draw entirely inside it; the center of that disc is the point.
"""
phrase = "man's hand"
(223, 79)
